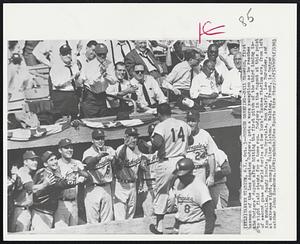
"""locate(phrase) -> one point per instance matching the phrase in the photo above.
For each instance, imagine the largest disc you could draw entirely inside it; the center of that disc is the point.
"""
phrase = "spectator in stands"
(142, 55)
(233, 47)
(121, 88)
(29, 58)
(175, 56)
(99, 73)
(66, 79)
(72, 170)
(220, 67)
(148, 92)
(179, 80)
(204, 84)
(47, 52)
(89, 54)
(118, 49)
(232, 84)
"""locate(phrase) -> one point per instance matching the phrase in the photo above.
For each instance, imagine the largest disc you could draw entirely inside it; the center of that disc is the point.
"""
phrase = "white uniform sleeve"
(159, 129)
(203, 194)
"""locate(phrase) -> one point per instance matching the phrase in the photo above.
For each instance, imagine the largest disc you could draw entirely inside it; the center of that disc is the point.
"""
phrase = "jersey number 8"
(180, 134)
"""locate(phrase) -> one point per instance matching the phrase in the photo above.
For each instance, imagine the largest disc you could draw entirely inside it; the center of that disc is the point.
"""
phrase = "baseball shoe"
(153, 229)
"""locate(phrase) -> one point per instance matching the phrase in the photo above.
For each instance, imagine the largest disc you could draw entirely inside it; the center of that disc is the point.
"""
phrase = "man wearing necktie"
(149, 94)
(66, 79)
(119, 49)
(142, 55)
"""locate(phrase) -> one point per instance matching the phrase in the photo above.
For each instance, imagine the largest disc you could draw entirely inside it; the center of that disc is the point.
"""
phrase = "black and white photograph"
(141, 136)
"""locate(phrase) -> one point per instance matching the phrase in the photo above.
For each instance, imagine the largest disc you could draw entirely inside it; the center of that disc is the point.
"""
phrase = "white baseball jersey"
(67, 169)
(203, 146)
(175, 134)
(102, 173)
(190, 200)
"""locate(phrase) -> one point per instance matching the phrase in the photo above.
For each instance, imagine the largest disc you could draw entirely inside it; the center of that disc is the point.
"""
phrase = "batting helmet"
(184, 166)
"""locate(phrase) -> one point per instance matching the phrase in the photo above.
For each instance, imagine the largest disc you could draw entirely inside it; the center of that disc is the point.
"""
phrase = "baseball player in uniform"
(203, 150)
(146, 177)
(98, 198)
(24, 197)
(170, 138)
(48, 184)
(72, 170)
(219, 191)
(196, 212)
(128, 159)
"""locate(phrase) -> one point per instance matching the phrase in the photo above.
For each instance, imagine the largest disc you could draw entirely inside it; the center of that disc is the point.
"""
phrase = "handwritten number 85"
(249, 18)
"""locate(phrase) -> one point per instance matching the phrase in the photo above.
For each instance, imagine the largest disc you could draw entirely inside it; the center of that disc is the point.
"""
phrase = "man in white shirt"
(121, 88)
(180, 78)
(88, 55)
(118, 49)
(148, 91)
(233, 48)
(66, 79)
(99, 73)
(204, 84)
(232, 84)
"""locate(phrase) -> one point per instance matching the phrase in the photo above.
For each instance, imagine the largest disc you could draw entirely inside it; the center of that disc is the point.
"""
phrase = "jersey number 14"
(180, 134)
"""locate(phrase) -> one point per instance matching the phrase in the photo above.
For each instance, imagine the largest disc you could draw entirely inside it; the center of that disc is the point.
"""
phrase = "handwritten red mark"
(203, 31)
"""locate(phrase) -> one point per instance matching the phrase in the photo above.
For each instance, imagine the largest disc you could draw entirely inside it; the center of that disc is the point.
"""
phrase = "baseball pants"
(192, 228)
(41, 221)
(98, 204)
(219, 194)
(163, 181)
(21, 219)
(125, 200)
(66, 214)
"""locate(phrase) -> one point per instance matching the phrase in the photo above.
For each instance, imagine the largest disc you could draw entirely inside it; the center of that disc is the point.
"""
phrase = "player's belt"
(199, 166)
(22, 207)
(191, 222)
(165, 159)
(125, 181)
(102, 184)
(67, 199)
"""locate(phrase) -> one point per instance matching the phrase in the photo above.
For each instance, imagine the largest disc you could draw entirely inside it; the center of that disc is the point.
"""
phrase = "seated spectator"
(233, 47)
(232, 84)
(98, 73)
(148, 91)
(175, 56)
(66, 80)
(220, 67)
(204, 84)
(179, 80)
(142, 55)
(121, 88)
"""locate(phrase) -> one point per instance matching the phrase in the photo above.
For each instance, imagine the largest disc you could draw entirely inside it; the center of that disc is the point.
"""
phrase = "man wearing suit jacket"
(142, 55)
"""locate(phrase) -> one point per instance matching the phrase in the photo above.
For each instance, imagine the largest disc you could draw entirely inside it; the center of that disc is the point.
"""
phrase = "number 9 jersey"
(175, 134)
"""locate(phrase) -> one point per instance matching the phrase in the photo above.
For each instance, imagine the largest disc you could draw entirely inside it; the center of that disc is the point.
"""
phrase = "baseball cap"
(64, 142)
(29, 155)
(193, 115)
(131, 131)
(16, 58)
(98, 134)
(46, 155)
(101, 48)
(65, 50)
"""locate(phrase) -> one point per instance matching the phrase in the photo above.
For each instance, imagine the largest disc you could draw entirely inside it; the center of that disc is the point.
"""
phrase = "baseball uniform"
(203, 146)
(189, 201)
(147, 184)
(23, 200)
(125, 196)
(219, 191)
(98, 199)
(175, 134)
(67, 210)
